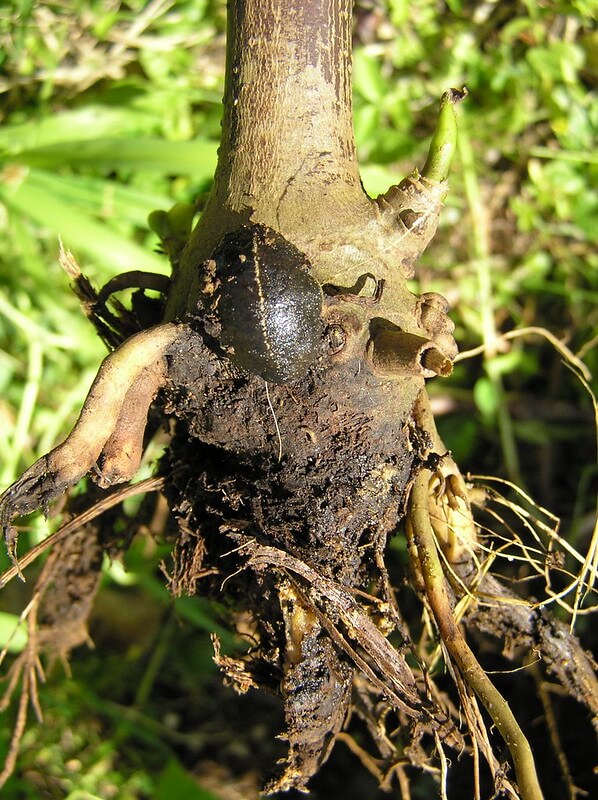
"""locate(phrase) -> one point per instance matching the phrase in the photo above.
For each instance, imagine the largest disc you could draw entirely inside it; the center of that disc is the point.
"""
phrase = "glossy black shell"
(267, 304)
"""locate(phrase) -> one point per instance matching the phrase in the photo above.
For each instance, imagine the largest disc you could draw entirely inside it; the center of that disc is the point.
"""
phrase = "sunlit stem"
(423, 542)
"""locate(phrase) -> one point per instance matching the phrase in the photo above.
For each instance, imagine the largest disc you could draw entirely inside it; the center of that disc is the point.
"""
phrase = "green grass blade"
(91, 122)
(197, 158)
(101, 197)
(78, 230)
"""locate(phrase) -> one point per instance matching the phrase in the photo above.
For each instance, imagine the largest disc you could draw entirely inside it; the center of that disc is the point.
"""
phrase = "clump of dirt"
(256, 473)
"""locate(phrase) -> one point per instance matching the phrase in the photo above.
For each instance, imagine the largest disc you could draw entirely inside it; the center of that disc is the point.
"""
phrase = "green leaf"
(90, 122)
(196, 158)
(461, 434)
(175, 783)
(13, 633)
(559, 62)
(367, 77)
(485, 397)
(101, 197)
(201, 613)
(377, 178)
(33, 198)
(506, 363)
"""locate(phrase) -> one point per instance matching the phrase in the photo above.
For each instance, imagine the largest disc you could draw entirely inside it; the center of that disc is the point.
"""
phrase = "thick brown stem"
(287, 160)
(287, 157)
(287, 132)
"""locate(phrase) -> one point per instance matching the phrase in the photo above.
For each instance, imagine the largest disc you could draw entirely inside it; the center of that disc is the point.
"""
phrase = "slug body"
(264, 306)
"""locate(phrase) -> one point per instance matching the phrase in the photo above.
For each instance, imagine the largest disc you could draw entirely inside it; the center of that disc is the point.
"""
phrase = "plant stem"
(457, 647)
(287, 157)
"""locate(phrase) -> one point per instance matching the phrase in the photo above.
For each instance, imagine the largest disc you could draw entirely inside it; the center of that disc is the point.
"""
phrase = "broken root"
(108, 436)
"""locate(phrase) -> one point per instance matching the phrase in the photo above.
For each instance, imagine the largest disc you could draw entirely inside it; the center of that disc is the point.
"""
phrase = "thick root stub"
(108, 436)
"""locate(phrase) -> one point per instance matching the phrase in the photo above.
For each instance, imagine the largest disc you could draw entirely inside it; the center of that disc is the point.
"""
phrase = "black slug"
(266, 306)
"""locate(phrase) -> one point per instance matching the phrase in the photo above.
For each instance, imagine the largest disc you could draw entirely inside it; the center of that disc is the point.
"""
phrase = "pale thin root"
(438, 599)
(582, 583)
(553, 730)
(25, 668)
(23, 616)
(589, 570)
(532, 330)
(17, 734)
(369, 762)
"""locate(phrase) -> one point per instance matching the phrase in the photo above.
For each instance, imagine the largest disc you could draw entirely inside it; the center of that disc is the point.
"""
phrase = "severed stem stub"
(107, 437)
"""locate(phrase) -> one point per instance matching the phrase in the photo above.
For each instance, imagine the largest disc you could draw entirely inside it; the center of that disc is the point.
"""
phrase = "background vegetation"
(111, 109)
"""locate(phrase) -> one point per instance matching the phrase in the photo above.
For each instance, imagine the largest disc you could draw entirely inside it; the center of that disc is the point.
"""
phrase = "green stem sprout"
(444, 140)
